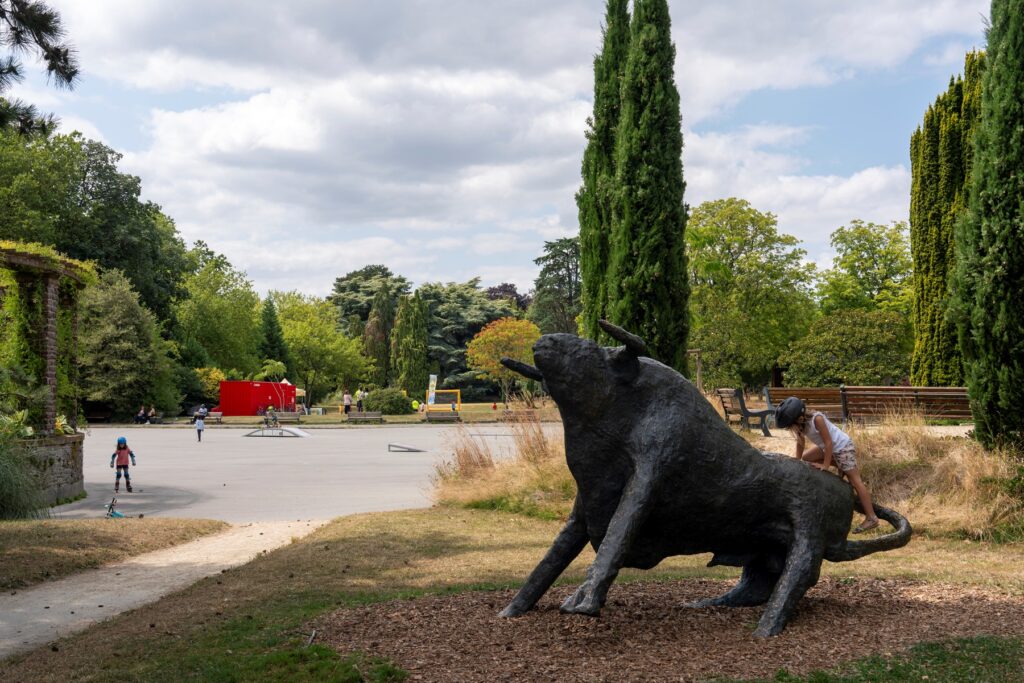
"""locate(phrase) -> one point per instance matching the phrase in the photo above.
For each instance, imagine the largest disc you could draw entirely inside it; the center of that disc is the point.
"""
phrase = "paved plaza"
(242, 479)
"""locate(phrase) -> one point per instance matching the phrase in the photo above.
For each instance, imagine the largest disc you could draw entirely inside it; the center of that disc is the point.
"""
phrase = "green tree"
(220, 313)
(504, 338)
(750, 294)
(39, 180)
(595, 197)
(409, 363)
(648, 292)
(852, 346)
(26, 28)
(377, 335)
(323, 357)
(354, 293)
(455, 313)
(272, 346)
(123, 361)
(941, 151)
(556, 291)
(871, 269)
(67, 192)
(989, 245)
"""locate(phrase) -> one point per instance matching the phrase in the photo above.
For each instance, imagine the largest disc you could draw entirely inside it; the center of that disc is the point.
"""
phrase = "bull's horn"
(523, 369)
(631, 341)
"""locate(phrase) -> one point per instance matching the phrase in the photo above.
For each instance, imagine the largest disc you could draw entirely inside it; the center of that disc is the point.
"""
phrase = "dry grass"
(946, 485)
(35, 551)
(534, 479)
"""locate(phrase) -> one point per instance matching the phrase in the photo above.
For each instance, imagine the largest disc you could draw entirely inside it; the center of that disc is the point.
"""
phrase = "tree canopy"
(750, 291)
(505, 338)
(557, 289)
(871, 270)
(354, 292)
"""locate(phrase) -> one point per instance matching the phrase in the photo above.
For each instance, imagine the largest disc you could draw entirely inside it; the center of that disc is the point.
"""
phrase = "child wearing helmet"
(121, 456)
(830, 445)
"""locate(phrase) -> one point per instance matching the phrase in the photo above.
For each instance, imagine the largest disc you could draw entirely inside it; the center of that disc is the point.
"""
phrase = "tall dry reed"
(532, 478)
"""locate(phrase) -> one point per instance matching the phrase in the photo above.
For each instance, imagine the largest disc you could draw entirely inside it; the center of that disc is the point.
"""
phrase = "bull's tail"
(897, 539)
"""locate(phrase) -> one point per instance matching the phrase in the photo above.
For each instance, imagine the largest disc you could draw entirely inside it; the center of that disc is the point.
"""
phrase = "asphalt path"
(240, 479)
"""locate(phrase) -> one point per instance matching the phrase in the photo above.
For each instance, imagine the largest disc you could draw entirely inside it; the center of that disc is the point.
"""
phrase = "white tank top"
(840, 439)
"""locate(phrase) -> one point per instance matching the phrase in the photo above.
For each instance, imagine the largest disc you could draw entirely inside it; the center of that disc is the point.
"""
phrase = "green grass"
(980, 660)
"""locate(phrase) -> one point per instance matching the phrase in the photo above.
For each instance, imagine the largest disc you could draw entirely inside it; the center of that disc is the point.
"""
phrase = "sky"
(443, 138)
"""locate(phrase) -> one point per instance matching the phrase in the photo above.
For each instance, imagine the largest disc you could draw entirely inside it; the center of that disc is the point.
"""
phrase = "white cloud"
(444, 139)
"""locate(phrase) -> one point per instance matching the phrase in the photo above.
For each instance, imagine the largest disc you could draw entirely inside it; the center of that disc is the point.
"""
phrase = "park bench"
(215, 417)
(443, 416)
(288, 416)
(826, 400)
(734, 407)
(873, 403)
(366, 416)
(98, 415)
(157, 419)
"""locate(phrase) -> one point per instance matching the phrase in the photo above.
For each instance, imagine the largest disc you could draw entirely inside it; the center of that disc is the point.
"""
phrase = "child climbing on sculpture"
(121, 457)
(830, 445)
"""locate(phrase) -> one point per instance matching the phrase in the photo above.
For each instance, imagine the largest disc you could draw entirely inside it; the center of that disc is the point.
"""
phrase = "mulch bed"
(644, 633)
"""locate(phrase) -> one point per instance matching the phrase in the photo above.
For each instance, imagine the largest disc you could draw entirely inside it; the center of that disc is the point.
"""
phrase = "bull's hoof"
(581, 602)
(512, 611)
(768, 630)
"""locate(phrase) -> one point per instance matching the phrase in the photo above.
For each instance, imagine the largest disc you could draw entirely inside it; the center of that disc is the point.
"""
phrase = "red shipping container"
(248, 398)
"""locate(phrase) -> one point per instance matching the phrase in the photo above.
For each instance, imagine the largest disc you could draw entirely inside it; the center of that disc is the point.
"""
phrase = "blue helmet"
(121, 441)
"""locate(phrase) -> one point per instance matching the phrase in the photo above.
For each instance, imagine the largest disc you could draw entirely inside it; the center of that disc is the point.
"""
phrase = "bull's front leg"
(628, 518)
(567, 546)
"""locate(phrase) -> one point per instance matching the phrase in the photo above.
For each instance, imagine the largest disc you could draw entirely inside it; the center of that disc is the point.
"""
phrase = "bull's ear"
(624, 364)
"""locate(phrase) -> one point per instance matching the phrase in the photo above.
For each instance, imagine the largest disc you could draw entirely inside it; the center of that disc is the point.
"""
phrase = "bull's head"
(580, 373)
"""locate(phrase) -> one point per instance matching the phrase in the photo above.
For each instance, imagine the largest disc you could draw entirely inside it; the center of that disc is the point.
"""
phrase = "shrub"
(388, 401)
(20, 497)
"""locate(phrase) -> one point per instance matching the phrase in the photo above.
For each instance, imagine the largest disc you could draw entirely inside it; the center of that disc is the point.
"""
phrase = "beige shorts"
(845, 459)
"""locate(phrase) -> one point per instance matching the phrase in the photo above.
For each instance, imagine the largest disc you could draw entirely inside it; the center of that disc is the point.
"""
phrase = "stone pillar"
(49, 351)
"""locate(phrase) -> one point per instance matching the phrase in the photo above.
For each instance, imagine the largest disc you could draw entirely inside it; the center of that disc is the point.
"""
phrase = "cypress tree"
(409, 364)
(377, 335)
(990, 240)
(272, 345)
(594, 199)
(940, 156)
(648, 286)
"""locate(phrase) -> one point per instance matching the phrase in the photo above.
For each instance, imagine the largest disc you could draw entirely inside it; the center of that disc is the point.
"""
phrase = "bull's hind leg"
(563, 551)
(803, 566)
(754, 588)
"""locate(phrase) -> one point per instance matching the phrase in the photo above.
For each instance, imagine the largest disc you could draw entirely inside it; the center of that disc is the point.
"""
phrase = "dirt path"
(40, 614)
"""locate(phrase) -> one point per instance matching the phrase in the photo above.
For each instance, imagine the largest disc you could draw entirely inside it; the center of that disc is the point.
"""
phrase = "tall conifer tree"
(272, 345)
(409, 365)
(990, 240)
(648, 287)
(594, 198)
(377, 335)
(941, 150)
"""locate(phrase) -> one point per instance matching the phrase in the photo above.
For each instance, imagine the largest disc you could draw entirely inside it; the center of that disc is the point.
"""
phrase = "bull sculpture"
(659, 473)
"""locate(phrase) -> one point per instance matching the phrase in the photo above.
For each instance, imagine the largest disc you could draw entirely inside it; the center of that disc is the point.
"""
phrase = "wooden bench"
(366, 416)
(98, 415)
(288, 416)
(734, 406)
(827, 400)
(443, 416)
(157, 419)
(215, 417)
(872, 403)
